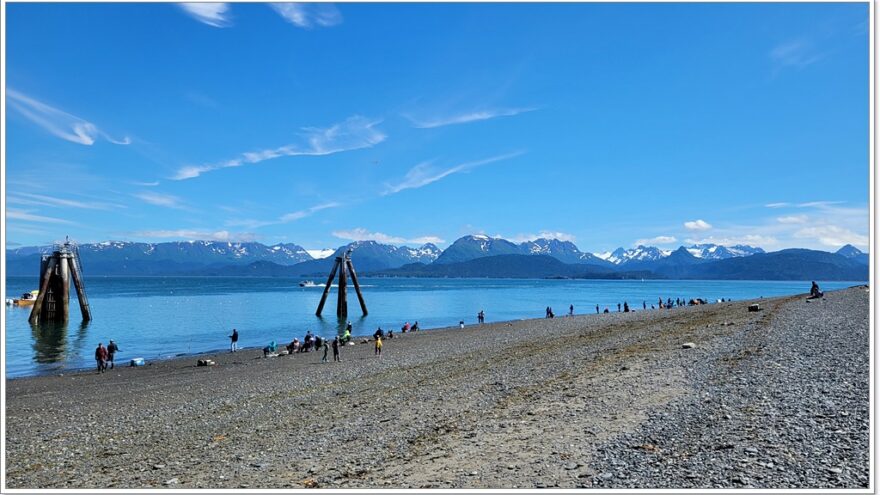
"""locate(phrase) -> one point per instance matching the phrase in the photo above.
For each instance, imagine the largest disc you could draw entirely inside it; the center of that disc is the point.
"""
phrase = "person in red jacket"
(101, 357)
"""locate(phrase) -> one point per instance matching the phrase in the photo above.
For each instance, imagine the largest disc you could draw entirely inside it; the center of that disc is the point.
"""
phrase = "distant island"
(477, 256)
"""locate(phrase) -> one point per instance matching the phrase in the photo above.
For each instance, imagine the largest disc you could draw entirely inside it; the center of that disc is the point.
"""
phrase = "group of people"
(105, 355)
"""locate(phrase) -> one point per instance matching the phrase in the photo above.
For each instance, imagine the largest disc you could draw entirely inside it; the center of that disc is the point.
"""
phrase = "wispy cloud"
(697, 225)
(145, 184)
(660, 239)
(29, 217)
(354, 133)
(544, 234)
(466, 117)
(425, 173)
(212, 14)
(832, 236)
(361, 234)
(307, 15)
(24, 198)
(196, 235)
(160, 199)
(777, 205)
(797, 53)
(57, 122)
(286, 218)
(793, 219)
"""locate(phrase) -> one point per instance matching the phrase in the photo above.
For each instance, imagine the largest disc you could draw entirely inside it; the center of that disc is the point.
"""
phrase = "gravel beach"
(777, 398)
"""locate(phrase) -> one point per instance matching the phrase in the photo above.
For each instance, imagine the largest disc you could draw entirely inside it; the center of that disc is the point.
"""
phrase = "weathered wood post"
(327, 287)
(55, 286)
(344, 266)
(357, 287)
(341, 301)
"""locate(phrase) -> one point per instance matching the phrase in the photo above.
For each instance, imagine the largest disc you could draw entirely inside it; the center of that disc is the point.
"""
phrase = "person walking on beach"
(336, 358)
(326, 348)
(571, 310)
(101, 357)
(597, 309)
(644, 305)
(112, 348)
(379, 346)
(234, 338)
(618, 307)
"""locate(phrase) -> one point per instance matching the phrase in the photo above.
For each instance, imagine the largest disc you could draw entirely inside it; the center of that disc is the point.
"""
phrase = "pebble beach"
(711, 396)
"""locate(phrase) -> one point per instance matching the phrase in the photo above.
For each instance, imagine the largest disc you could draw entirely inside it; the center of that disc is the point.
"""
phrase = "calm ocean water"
(167, 316)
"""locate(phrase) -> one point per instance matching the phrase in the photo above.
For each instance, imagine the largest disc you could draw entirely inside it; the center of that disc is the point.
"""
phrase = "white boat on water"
(308, 283)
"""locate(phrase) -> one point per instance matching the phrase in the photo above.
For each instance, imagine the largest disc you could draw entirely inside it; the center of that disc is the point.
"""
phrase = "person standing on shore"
(644, 305)
(234, 338)
(625, 307)
(618, 307)
(101, 357)
(112, 348)
(597, 309)
(571, 310)
(326, 348)
(336, 358)
(379, 346)
(415, 327)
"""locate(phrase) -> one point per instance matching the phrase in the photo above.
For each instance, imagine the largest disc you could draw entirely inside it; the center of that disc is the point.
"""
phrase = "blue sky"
(606, 124)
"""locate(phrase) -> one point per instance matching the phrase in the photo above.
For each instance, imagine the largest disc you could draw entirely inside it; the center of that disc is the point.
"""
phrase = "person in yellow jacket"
(379, 346)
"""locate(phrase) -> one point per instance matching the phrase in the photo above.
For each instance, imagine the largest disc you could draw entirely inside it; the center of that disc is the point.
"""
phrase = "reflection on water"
(50, 340)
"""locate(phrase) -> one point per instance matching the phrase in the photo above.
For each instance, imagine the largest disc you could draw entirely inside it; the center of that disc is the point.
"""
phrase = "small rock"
(570, 466)
(158, 466)
(688, 345)
(172, 481)
(835, 470)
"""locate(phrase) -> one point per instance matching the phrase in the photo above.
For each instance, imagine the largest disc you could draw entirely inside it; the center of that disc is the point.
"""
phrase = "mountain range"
(469, 256)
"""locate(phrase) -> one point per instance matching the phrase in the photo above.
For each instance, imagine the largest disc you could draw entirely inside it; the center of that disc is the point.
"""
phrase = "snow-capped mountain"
(476, 246)
(564, 251)
(716, 252)
(853, 253)
(621, 256)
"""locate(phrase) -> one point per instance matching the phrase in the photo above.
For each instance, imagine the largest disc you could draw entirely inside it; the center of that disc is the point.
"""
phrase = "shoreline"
(150, 360)
(568, 402)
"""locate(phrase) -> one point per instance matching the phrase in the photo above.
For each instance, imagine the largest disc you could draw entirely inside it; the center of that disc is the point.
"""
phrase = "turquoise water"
(160, 317)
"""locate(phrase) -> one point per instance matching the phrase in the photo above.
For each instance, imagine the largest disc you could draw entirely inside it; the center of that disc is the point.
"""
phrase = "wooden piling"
(341, 302)
(327, 287)
(65, 287)
(44, 289)
(78, 283)
(357, 287)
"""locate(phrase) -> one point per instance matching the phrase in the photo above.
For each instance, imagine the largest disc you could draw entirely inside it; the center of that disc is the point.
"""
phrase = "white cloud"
(697, 225)
(307, 15)
(795, 53)
(286, 218)
(354, 133)
(424, 173)
(23, 198)
(832, 236)
(159, 199)
(793, 219)
(27, 216)
(660, 239)
(544, 234)
(196, 235)
(466, 117)
(361, 234)
(210, 13)
(145, 184)
(57, 122)
(777, 205)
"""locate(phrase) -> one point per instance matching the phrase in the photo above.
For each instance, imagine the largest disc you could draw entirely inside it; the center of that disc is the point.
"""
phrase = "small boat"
(26, 299)
(308, 283)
